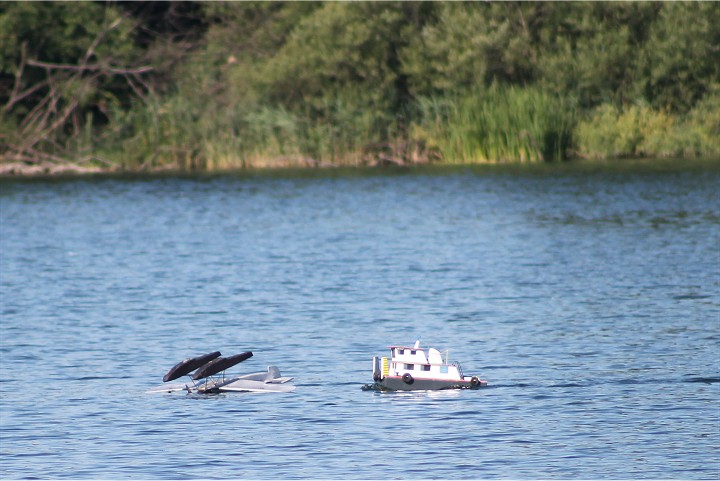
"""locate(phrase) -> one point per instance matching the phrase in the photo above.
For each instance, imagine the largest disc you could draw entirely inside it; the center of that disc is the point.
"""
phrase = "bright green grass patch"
(497, 125)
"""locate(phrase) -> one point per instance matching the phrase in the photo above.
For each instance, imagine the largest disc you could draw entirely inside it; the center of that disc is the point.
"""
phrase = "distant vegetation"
(209, 86)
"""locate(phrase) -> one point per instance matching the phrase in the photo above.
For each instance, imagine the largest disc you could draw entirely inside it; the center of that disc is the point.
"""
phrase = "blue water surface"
(590, 301)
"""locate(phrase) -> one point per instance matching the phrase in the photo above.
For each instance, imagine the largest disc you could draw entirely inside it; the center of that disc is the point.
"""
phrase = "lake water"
(589, 300)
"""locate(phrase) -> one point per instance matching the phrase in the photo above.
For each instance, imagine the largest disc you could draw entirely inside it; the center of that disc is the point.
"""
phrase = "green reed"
(184, 135)
(510, 124)
(498, 125)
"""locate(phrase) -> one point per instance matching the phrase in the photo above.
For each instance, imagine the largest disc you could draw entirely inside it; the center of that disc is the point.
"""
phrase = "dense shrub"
(640, 131)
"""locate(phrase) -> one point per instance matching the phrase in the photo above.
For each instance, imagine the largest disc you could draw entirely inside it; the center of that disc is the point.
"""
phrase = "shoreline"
(44, 170)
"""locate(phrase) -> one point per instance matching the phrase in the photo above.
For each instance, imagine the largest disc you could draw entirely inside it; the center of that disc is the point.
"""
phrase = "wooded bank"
(134, 86)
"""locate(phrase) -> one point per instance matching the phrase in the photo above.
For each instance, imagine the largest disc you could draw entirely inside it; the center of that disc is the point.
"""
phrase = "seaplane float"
(207, 376)
(419, 369)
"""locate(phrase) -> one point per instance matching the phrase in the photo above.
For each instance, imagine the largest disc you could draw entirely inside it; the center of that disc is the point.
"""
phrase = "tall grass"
(151, 136)
(497, 125)
(184, 135)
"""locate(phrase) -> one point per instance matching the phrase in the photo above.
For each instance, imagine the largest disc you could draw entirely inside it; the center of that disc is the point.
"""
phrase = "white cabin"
(419, 362)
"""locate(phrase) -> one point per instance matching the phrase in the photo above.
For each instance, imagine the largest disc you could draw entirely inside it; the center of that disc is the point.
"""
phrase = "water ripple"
(589, 302)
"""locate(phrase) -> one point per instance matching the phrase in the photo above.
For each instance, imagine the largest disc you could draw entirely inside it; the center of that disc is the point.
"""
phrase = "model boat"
(419, 369)
(207, 376)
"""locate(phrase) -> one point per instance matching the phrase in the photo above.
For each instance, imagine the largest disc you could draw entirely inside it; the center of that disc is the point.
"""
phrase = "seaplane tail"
(273, 376)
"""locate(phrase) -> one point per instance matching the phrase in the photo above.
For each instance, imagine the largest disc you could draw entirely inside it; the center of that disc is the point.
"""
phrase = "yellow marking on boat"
(385, 367)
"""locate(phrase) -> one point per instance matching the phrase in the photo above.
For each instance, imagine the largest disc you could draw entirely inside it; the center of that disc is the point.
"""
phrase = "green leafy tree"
(591, 50)
(469, 46)
(681, 58)
(349, 52)
(208, 84)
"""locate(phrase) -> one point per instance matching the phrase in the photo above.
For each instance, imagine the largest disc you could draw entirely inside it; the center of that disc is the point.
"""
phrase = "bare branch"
(33, 115)
(58, 100)
(92, 68)
(130, 79)
(22, 151)
(98, 159)
(18, 78)
(16, 97)
(98, 39)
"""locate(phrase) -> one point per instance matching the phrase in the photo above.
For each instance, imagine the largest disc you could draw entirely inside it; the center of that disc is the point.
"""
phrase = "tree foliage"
(326, 80)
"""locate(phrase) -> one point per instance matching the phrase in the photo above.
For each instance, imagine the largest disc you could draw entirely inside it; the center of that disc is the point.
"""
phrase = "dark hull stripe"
(397, 384)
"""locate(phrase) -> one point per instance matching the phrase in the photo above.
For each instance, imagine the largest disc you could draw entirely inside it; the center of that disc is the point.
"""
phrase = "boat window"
(426, 367)
(412, 352)
(401, 351)
(409, 367)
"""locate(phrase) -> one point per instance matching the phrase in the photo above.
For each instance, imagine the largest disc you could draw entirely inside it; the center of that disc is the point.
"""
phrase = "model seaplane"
(207, 376)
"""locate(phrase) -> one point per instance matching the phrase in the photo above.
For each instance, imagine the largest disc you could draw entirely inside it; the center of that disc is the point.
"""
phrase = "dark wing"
(189, 365)
(220, 364)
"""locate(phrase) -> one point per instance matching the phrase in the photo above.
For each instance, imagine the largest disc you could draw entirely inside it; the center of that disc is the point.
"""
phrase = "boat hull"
(396, 383)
